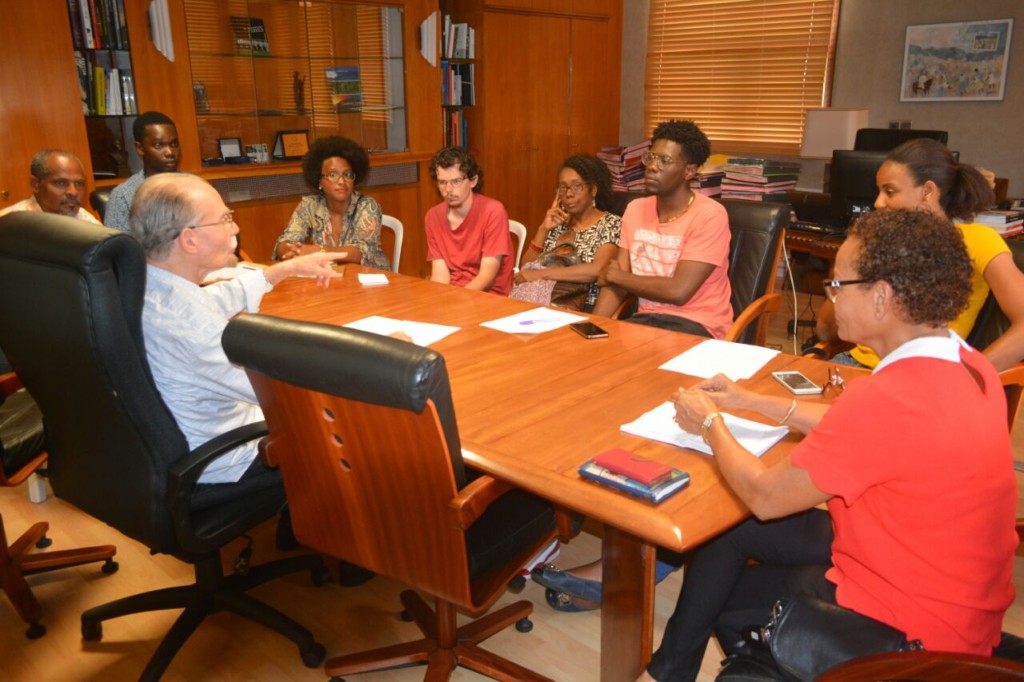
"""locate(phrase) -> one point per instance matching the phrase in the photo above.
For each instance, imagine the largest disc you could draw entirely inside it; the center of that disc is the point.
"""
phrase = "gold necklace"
(680, 214)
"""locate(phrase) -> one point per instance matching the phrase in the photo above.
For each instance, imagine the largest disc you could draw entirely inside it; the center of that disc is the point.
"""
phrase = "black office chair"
(758, 229)
(98, 199)
(363, 429)
(71, 297)
(991, 323)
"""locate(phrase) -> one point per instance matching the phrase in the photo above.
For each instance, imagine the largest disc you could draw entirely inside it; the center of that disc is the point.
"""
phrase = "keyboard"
(824, 229)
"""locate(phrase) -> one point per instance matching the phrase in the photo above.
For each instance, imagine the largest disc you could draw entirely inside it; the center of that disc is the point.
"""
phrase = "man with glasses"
(674, 250)
(468, 242)
(58, 184)
(156, 143)
(186, 232)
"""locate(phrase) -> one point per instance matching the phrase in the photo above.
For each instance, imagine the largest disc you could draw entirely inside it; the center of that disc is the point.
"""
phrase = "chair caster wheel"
(35, 631)
(321, 576)
(314, 655)
(406, 616)
(43, 542)
(92, 632)
(110, 566)
(524, 625)
(517, 584)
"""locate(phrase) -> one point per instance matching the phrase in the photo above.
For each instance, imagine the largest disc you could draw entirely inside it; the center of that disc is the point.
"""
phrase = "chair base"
(16, 563)
(211, 593)
(444, 646)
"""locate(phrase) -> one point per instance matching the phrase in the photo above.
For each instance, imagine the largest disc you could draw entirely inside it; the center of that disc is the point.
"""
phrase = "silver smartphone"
(588, 330)
(797, 383)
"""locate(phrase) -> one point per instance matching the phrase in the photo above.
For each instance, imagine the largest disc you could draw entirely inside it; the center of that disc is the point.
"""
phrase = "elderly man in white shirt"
(187, 232)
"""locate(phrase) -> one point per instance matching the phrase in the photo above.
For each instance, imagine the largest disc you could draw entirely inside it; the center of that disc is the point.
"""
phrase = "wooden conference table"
(532, 408)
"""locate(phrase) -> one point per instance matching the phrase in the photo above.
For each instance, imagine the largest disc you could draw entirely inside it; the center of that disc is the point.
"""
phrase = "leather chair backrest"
(755, 227)
(991, 323)
(361, 425)
(71, 296)
(98, 199)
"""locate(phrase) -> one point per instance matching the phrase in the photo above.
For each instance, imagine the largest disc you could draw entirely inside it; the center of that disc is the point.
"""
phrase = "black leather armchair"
(71, 297)
(98, 199)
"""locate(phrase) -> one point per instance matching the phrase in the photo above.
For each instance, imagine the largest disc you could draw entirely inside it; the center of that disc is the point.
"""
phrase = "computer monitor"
(852, 183)
(887, 139)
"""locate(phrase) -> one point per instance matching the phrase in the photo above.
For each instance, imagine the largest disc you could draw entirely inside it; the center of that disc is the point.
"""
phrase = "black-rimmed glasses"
(832, 286)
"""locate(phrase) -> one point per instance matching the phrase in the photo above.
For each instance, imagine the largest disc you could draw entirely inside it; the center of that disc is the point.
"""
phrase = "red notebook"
(624, 462)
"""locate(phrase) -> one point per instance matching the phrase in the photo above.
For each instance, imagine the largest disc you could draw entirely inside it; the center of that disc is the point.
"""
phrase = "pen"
(540, 320)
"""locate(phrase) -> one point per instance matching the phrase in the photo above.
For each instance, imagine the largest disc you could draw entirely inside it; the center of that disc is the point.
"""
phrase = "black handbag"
(808, 636)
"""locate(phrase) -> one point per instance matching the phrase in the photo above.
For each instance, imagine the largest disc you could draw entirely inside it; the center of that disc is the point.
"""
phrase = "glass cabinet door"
(274, 74)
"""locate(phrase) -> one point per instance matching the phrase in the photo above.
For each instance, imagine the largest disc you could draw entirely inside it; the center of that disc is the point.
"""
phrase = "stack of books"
(708, 180)
(625, 166)
(759, 179)
(622, 470)
(1006, 223)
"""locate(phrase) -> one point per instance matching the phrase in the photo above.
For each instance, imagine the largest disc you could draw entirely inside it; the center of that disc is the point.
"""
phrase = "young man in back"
(156, 142)
(674, 249)
(468, 242)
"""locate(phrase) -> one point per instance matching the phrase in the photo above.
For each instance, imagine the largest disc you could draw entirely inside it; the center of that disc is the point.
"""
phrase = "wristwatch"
(708, 421)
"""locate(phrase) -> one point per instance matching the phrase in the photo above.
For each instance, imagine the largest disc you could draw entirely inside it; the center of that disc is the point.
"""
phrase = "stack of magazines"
(1006, 223)
(625, 166)
(759, 179)
(622, 470)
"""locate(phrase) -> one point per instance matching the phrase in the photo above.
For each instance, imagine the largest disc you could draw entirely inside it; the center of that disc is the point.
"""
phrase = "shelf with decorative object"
(263, 67)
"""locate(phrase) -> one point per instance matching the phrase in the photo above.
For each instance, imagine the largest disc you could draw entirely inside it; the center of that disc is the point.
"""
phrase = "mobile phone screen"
(797, 382)
(588, 330)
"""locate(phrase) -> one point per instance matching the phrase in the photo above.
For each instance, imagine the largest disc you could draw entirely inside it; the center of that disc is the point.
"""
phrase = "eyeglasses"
(575, 188)
(832, 286)
(334, 176)
(226, 220)
(835, 382)
(664, 162)
(454, 183)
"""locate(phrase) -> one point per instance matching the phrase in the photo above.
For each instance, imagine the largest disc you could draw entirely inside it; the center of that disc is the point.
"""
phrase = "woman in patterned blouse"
(338, 218)
(578, 216)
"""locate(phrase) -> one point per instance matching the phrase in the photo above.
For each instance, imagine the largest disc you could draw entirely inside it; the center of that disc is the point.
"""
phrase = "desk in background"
(532, 408)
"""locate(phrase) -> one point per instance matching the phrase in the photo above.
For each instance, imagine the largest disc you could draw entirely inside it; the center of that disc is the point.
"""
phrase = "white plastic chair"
(519, 230)
(396, 226)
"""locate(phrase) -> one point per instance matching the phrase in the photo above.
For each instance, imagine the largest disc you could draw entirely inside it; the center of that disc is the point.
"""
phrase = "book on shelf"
(99, 84)
(84, 82)
(760, 166)
(673, 483)
(768, 188)
(85, 20)
(346, 88)
(763, 178)
(996, 218)
(250, 35)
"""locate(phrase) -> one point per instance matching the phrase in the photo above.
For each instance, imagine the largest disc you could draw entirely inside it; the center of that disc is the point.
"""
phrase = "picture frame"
(291, 145)
(230, 147)
(957, 62)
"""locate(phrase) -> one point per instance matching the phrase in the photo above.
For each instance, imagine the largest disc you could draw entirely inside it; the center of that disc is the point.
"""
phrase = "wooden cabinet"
(40, 106)
(547, 85)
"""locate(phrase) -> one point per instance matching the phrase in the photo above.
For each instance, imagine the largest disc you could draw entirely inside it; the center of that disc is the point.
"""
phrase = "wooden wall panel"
(594, 94)
(40, 105)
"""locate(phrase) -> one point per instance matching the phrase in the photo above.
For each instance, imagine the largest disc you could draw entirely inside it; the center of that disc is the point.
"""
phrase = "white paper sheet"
(535, 321)
(708, 358)
(659, 424)
(373, 279)
(421, 333)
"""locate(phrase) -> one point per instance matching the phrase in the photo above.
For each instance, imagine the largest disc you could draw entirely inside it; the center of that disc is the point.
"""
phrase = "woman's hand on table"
(725, 392)
(288, 250)
(692, 406)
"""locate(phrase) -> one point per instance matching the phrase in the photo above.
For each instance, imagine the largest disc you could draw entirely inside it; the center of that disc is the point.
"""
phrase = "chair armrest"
(621, 312)
(924, 666)
(9, 383)
(769, 303)
(827, 349)
(184, 474)
(471, 502)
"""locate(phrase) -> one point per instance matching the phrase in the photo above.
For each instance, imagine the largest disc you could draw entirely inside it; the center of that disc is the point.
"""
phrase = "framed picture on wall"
(958, 62)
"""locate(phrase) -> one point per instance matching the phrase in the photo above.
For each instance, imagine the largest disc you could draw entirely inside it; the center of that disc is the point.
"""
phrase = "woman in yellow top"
(923, 174)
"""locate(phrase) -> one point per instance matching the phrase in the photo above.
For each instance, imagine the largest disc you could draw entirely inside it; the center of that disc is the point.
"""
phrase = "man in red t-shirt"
(468, 242)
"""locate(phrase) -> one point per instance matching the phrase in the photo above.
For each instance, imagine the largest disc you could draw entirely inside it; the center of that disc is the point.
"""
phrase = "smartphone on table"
(797, 383)
(588, 330)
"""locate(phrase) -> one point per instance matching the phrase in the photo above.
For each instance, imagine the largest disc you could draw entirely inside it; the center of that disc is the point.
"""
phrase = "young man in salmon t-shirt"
(468, 242)
(674, 249)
